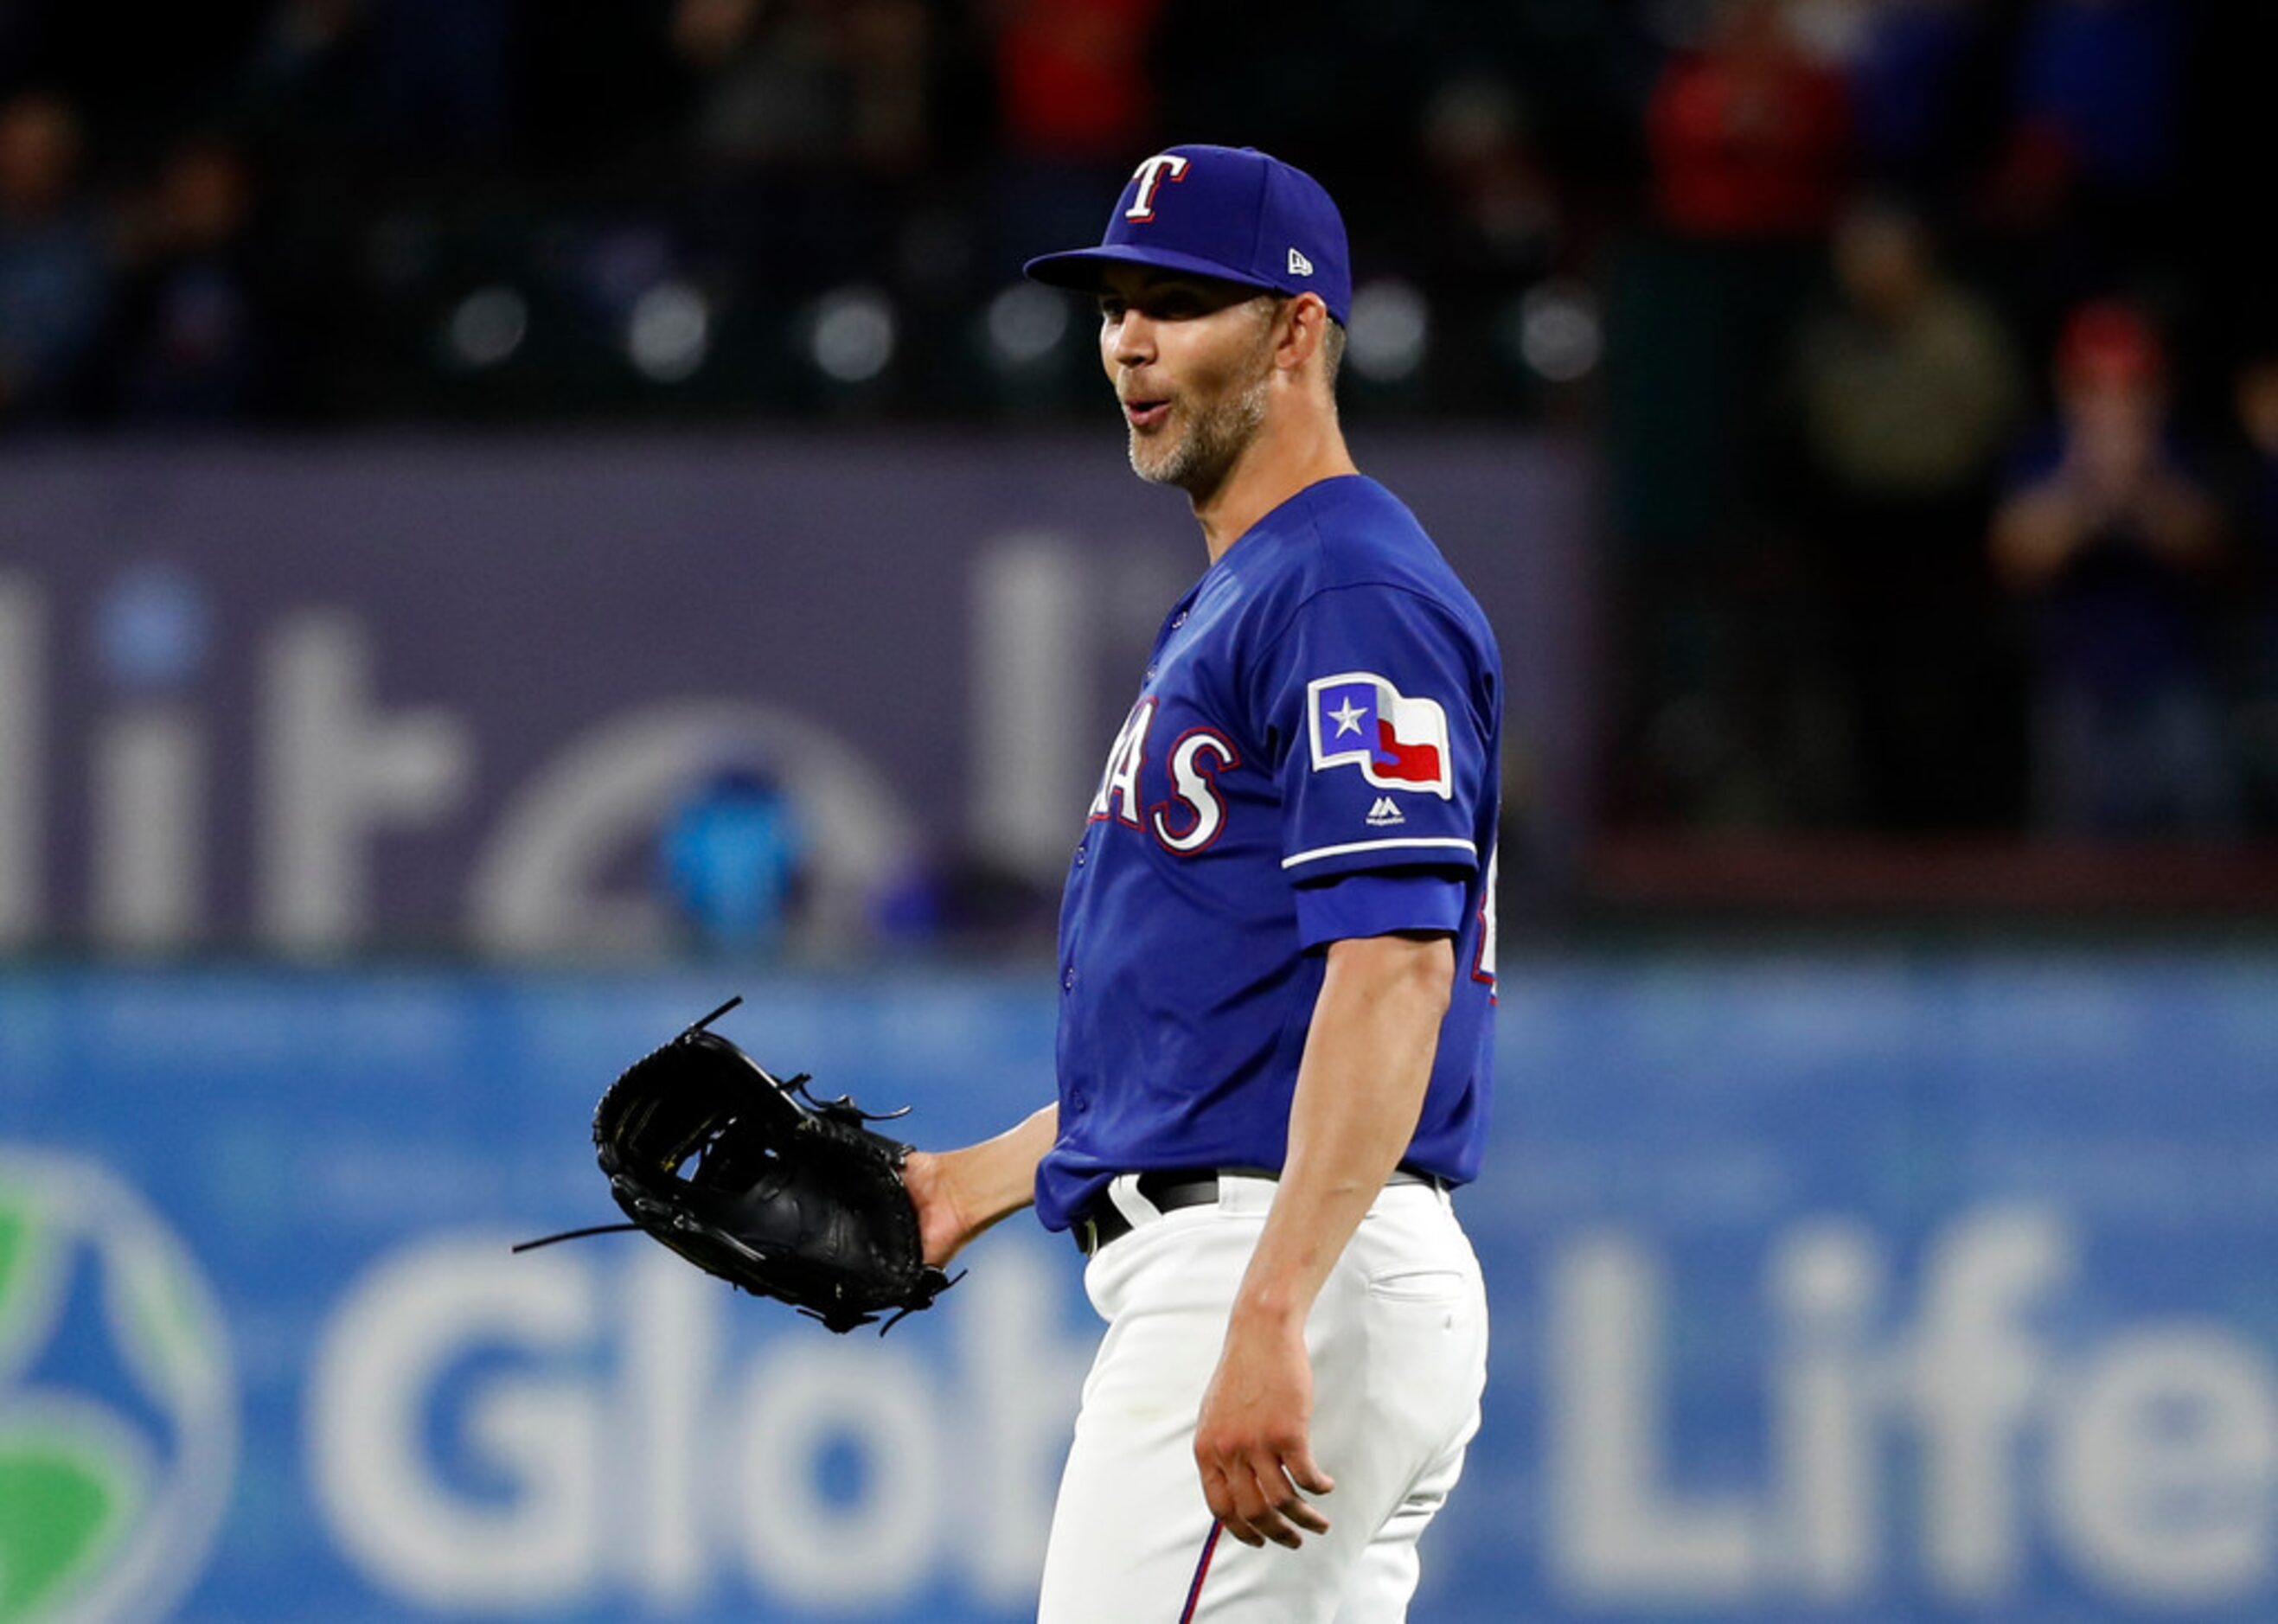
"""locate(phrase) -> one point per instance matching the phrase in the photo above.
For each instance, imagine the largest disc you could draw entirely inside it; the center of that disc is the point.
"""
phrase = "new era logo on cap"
(1229, 212)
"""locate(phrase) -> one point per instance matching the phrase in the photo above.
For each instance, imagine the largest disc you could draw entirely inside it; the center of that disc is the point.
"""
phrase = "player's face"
(1190, 358)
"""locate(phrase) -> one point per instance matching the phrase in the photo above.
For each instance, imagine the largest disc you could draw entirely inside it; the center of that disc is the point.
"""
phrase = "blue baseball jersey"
(1313, 756)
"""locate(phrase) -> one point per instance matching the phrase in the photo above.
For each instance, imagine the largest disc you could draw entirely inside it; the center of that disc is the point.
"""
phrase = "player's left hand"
(943, 1227)
(1251, 1438)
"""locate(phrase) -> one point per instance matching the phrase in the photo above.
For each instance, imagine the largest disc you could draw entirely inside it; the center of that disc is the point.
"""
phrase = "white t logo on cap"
(1299, 265)
(1149, 175)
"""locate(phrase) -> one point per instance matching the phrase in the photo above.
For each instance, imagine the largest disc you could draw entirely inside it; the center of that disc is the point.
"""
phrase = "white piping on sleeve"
(1456, 841)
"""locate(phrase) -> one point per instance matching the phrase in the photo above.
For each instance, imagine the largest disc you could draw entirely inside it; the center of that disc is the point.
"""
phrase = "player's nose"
(1132, 340)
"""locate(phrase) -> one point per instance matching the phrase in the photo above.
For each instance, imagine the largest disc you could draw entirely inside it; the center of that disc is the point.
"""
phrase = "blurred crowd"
(351, 210)
(1933, 357)
(1943, 411)
(308, 212)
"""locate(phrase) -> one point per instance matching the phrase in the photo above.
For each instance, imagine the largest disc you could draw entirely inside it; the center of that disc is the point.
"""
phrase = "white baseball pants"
(1398, 1338)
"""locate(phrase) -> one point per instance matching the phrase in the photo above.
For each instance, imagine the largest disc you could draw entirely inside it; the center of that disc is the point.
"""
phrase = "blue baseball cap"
(1230, 212)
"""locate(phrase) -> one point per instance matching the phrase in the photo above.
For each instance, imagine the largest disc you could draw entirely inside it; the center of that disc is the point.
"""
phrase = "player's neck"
(1289, 453)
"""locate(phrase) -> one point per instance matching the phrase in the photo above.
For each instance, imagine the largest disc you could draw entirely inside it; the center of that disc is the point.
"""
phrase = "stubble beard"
(1199, 459)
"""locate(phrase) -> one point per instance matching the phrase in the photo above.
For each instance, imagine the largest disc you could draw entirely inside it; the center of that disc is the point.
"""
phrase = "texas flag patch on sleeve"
(1358, 718)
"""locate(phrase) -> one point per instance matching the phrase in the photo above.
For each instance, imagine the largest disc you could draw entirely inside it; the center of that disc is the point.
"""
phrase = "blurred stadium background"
(522, 518)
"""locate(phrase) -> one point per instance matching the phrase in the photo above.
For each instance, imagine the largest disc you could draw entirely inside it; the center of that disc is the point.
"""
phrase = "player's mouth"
(1146, 414)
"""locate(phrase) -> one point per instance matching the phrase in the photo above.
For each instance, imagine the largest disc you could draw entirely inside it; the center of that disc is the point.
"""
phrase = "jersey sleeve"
(1379, 904)
(1376, 700)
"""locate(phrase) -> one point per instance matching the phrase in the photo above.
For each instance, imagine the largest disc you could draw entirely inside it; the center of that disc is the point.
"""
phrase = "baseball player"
(1277, 967)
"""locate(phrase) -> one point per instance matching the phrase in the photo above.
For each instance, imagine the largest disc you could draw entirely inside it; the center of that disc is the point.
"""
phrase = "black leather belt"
(1169, 1191)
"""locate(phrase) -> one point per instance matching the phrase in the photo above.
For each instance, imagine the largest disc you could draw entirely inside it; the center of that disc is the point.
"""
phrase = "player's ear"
(1303, 323)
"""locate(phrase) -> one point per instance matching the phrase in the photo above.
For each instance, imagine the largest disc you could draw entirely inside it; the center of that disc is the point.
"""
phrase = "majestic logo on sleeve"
(1397, 742)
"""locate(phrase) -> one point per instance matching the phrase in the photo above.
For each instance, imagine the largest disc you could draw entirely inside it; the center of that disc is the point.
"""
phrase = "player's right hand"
(1251, 1438)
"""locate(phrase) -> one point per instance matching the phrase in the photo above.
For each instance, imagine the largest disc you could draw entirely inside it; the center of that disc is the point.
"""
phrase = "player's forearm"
(998, 1176)
(959, 1194)
(1360, 1090)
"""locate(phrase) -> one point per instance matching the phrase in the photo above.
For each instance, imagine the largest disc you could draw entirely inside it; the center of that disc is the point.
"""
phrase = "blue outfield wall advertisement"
(1853, 1287)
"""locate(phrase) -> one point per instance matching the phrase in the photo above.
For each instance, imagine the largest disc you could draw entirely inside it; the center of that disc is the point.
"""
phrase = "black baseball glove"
(755, 1180)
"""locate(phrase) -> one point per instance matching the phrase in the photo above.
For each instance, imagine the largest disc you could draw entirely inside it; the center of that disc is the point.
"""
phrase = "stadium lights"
(487, 327)
(1025, 323)
(1555, 328)
(851, 334)
(1391, 328)
(669, 334)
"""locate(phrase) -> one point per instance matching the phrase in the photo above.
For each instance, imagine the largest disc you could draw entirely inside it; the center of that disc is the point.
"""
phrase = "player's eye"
(1111, 309)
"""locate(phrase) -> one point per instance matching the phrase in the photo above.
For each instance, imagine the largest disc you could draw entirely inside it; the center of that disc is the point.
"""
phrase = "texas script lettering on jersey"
(1355, 719)
(1196, 760)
